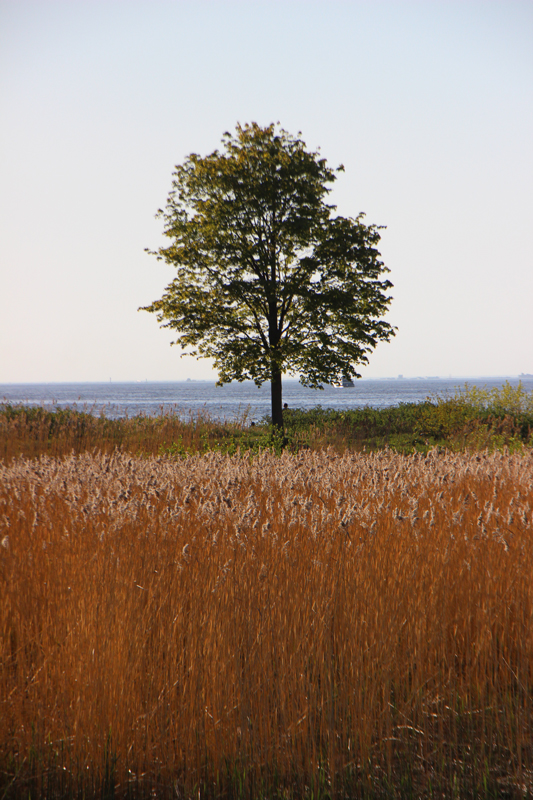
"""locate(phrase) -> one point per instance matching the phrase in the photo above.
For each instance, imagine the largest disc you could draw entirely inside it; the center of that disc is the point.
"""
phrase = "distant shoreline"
(463, 378)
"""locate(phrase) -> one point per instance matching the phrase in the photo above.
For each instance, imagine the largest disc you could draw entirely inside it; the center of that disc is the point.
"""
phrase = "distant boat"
(346, 383)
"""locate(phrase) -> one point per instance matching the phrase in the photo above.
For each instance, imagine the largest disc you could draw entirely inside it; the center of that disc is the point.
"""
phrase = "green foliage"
(481, 417)
(268, 281)
(251, 441)
(472, 418)
(505, 400)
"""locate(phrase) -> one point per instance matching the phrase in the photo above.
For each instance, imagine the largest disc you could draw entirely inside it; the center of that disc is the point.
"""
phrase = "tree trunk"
(277, 407)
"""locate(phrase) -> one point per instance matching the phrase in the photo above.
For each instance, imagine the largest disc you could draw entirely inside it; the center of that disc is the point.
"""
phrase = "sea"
(243, 402)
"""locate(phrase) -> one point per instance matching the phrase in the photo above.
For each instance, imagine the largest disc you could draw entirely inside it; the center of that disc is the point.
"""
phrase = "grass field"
(314, 624)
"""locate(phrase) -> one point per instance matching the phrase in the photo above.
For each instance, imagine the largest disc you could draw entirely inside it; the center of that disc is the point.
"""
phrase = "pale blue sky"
(429, 105)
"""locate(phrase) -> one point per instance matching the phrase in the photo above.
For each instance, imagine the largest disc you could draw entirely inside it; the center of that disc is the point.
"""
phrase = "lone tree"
(268, 281)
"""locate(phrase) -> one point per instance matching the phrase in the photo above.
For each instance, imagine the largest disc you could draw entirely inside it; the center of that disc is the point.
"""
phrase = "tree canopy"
(268, 280)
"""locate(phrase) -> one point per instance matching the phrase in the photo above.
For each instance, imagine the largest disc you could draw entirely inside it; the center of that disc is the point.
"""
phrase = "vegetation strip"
(473, 418)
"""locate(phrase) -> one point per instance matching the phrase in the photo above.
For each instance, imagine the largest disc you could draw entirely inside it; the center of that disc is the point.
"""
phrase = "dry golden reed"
(33, 432)
(303, 625)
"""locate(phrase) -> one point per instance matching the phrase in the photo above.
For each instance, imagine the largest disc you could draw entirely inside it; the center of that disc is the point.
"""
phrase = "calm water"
(232, 400)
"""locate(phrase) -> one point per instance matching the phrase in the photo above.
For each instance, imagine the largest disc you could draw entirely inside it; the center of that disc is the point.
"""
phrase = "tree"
(268, 281)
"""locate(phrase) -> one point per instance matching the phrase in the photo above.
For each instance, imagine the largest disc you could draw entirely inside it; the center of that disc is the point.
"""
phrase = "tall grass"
(310, 625)
(33, 432)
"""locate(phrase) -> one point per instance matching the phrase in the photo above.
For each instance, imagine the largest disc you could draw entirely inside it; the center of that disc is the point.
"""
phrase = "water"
(233, 400)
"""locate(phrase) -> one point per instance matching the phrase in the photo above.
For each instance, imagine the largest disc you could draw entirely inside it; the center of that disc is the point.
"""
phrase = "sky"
(428, 104)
